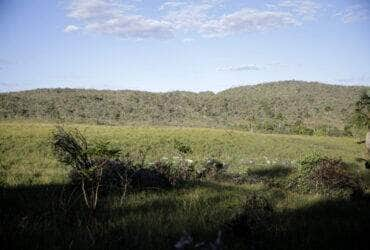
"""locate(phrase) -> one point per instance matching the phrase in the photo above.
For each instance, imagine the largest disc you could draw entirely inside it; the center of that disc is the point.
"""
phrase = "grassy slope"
(157, 219)
(26, 156)
(282, 102)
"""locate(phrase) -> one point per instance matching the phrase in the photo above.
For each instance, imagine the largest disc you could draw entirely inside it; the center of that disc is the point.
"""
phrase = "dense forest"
(282, 107)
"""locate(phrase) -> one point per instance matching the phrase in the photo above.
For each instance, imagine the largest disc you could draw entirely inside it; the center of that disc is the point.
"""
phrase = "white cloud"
(90, 9)
(205, 17)
(250, 67)
(188, 16)
(133, 26)
(248, 20)
(112, 17)
(171, 4)
(71, 28)
(307, 9)
(200, 17)
(354, 13)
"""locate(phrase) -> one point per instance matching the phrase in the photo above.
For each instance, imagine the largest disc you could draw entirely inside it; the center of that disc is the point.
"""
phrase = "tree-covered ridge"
(278, 106)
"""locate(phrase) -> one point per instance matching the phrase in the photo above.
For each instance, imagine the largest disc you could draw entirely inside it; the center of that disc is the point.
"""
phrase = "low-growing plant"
(182, 147)
(331, 176)
(212, 168)
(176, 170)
(320, 174)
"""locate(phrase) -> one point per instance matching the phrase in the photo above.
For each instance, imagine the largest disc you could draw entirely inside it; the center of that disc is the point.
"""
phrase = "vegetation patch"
(328, 176)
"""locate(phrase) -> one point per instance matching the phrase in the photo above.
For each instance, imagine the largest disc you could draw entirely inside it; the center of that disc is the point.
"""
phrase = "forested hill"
(270, 106)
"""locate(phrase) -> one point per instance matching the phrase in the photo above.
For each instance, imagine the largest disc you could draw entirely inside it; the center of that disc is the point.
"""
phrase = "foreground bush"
(327, 176)
(99, 167)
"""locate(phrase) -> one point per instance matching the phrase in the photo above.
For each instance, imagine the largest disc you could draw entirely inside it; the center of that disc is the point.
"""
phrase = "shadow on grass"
(276, 171)
(48, 217)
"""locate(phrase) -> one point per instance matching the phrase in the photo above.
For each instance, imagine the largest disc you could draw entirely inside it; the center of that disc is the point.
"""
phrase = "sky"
(194, 45)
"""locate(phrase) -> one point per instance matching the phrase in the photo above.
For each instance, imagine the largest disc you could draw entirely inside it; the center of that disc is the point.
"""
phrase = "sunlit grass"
(26, 156)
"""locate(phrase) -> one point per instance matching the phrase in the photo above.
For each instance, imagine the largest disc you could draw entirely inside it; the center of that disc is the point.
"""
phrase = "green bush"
(319, 174)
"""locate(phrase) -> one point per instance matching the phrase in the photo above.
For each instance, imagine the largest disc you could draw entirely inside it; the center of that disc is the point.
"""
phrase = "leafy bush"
(92, 166)
(331, 175)
(328, 176)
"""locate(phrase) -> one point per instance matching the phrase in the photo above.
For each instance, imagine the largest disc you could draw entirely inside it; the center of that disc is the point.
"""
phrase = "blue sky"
(192, 45)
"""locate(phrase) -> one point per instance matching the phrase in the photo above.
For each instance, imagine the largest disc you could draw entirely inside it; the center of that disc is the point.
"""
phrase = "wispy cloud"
(115, 18)
(253, 67)
(250, 67)
(112, 17)
(248, 20)
(355, 13)
(207, 18)
(71, 28)
(306, 9)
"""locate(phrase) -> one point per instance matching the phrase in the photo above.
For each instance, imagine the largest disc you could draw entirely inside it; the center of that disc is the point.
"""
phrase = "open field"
(26, 156)
(37, 211)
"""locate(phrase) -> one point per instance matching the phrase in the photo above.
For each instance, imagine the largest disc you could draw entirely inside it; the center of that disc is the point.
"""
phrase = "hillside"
(278, 106)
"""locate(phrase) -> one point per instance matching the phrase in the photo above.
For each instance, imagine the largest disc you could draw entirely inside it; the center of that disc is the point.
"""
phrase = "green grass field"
(26, 156)
(33, 193)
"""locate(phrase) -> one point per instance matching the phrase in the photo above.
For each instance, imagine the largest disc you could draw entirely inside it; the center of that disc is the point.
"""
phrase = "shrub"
(115, 174)
(177, 170)
(331, 175)
(213, 168)
(327, 176)
(92, 166)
